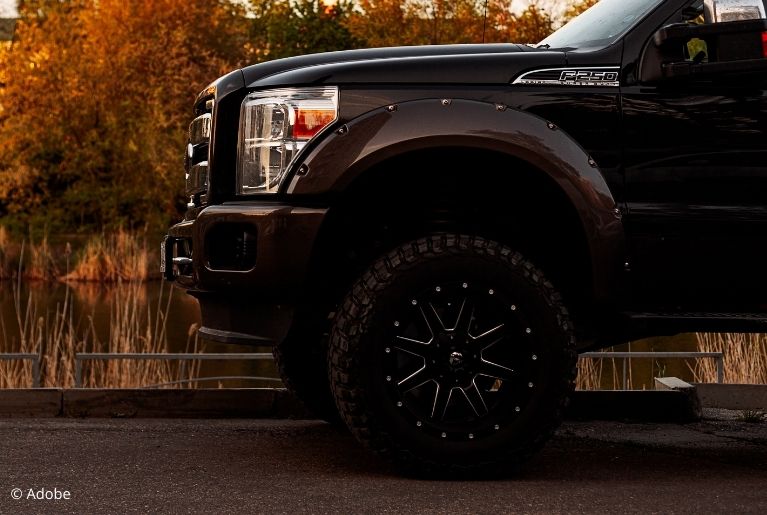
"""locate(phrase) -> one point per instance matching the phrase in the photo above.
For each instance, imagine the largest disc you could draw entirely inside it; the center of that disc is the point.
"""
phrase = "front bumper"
(247, 264)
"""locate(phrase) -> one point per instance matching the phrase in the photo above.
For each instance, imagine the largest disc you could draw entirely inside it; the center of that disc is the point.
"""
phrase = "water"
(92, 308)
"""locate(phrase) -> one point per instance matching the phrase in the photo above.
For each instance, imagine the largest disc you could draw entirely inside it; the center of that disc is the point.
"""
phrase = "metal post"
(625, 384)
(78, 372)
(36, 372)
(720, 369)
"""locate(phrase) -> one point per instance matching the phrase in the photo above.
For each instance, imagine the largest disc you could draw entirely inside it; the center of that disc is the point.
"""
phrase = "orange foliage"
(96, 98)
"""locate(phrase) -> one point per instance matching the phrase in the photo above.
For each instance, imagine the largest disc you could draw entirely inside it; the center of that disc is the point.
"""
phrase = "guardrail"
(25, 356)
(256, 356)
(183, 357)
(626, 356)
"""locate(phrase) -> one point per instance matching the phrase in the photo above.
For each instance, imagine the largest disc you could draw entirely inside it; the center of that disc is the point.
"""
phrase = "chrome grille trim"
(199, 129)
(197, 179)
(197, 155)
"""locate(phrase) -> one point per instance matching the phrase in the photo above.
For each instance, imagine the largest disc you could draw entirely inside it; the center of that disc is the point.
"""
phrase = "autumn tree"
(380, 23)
(506, 25)
(576, 7)
(97, 98)
(284, 28)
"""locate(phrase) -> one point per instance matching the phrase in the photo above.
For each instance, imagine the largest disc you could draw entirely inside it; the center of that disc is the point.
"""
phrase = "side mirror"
(732, 47)
(722, 11)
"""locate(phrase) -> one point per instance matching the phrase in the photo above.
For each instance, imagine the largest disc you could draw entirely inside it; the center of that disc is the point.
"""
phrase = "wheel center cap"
(456, 359)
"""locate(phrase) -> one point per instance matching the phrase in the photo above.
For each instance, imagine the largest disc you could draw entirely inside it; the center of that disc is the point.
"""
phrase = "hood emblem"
(587, 76)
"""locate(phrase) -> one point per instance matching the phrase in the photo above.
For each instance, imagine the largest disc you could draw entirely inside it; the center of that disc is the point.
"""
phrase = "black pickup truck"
(428, 236)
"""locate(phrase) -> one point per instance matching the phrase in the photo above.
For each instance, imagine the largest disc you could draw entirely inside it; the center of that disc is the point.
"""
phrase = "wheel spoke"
(414, 380)
(489, 337)
(414, 347)
(490, 369)
(433, 321)
(465, 317)
(441, 401)
(474, 396)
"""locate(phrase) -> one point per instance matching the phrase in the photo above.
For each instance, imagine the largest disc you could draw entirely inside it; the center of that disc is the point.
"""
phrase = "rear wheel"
(451, 354)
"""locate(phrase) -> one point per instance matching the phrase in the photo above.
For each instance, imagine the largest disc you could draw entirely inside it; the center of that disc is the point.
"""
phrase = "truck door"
(695, 154)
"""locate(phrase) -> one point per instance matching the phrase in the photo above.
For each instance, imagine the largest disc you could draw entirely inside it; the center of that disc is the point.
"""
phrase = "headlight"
(274, 126)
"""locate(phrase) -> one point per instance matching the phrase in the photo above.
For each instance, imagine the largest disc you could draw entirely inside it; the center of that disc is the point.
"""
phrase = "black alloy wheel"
(452, 354)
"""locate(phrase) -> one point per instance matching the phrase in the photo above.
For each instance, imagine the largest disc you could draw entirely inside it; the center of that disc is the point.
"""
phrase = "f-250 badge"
(608, 77)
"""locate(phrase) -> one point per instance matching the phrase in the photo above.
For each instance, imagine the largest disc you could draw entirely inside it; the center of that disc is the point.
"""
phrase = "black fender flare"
(356, 146)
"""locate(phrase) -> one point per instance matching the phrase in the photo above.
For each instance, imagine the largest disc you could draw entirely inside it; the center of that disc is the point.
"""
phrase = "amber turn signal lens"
(309, 122)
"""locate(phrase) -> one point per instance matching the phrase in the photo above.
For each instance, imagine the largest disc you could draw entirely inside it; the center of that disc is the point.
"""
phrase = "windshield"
(602, 24)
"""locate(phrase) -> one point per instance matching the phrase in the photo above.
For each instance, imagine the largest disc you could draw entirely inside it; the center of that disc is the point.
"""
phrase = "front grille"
(197, 153)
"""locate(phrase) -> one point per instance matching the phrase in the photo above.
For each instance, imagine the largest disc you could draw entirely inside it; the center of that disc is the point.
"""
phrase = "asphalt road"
(262, 466)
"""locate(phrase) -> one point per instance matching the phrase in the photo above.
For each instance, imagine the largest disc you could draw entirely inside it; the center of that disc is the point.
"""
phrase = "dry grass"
(41, 265)
(589, 374)
(121, 256)
(50, 335)
(603, 373)
(745, 358)
(134, 328)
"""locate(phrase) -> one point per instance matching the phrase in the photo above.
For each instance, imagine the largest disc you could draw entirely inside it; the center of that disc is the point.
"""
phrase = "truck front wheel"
(451, 354)
(301, 360)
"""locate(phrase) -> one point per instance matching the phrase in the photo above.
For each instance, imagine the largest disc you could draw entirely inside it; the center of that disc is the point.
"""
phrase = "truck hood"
(454, 64)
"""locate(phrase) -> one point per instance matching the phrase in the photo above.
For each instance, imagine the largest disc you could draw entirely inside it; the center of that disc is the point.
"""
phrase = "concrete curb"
(144, 403)
(37, 402)
(733, 396)
(672, 402)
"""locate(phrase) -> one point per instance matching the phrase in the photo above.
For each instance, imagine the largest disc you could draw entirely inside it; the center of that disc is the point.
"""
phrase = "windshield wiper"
(544, 46)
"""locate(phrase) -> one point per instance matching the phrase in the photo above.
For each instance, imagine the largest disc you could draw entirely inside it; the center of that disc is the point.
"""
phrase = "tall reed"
(745, 358)
(50, 335)
(41, 265)
(596, 374)
(589, 374)
(134, 327)
(121, 256)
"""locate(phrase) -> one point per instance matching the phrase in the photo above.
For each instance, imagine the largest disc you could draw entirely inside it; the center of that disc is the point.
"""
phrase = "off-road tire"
(393, 422)
(301, 360)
